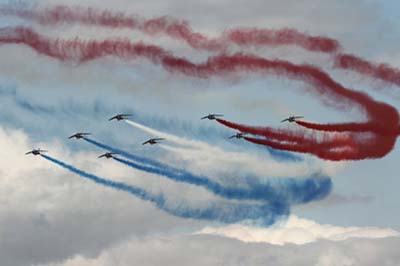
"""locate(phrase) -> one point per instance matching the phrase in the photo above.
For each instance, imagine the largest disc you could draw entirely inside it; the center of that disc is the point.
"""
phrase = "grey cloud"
(211, 250)
(59, 221)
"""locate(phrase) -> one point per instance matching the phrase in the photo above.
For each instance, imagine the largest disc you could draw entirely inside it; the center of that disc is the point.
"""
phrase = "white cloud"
(39, 201)
(48, 215)
(52, 214)
(213, 250)
(297, 231)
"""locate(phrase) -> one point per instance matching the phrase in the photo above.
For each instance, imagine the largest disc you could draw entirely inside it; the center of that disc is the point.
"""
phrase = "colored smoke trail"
(295, 137)
(381, 115)
(181, 30)
(218, 66)
(323, 153)
(351, 127)
(223, 212)
(336, 148)
(202, 154)
(383, 72)
(288, 191)
(128, 155)
(174, 28)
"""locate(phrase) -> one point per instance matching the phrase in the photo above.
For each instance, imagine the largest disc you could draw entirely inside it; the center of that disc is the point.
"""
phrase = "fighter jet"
(292, 118)
(238, 135)
(120, 117)
(152, 141)
(79, 135)
(107, 155)
(211, 116)
(35, 152)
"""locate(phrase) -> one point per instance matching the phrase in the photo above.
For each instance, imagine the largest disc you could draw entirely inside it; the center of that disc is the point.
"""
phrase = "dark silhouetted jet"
(152, 141)
(120, 117)
(238, 135)
(107, 155)
(79, 135)
(211, 116)
(35, 152)
(292, 119)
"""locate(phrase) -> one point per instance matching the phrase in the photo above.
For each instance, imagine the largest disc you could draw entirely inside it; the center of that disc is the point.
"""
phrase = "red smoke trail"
(176, 29)
(80, 50)
(296, 137)
(362, 66)
(328, 153)
(379, 114)
(375, 147)
(351, 127)
(268, 132)
(181, 30)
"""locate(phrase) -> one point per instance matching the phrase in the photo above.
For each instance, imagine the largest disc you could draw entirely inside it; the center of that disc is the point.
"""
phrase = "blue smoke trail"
(288, 190)
(267, 214)
(98, 109)
(129, 155)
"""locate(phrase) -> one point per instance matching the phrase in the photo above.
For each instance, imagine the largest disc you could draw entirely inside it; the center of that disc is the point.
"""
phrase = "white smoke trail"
(169, 137)
(200, 156)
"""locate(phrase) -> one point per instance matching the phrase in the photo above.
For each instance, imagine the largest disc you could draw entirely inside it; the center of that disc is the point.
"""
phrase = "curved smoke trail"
(174, 28)
(181, 30)
(197, 152)
(129, 155)
(380, 115)
(223, 212)
(288, 190)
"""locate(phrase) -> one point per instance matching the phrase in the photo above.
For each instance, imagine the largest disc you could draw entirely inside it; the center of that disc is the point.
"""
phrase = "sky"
(197, 198)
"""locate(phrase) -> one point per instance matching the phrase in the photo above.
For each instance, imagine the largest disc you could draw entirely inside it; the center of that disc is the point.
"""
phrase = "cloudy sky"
(199, 199)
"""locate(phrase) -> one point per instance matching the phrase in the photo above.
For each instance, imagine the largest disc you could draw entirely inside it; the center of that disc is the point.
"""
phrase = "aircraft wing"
(287, 119)
(101, 156)
(29, 152)
(73, 136)
(233, 136)
(204, 117)
(144, 143)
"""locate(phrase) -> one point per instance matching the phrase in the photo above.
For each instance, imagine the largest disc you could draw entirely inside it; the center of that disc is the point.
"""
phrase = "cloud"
(297, 231)
(58, 215)
(51, 215)
(214, 250)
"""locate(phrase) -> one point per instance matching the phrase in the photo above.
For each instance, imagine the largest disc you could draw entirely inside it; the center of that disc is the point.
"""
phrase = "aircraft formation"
(153, 141)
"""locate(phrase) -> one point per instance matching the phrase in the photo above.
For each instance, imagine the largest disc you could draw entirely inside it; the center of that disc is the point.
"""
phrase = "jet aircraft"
(152, 141)
(292, 118)
(211, 116)
(35, 152)
(79, 135)
(107, 155)
(238, 135)
(120, 117)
